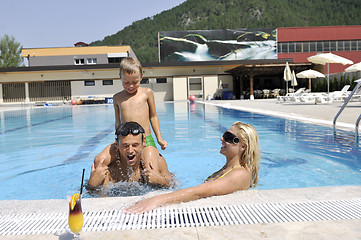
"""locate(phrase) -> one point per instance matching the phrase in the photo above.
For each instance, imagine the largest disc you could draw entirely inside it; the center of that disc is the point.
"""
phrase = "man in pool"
(122, 161)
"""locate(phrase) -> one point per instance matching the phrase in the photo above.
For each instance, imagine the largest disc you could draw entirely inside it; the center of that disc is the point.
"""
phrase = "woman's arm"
(236, 180)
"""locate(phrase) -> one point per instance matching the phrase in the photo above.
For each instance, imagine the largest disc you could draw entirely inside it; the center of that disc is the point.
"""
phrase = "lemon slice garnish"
(73, 200)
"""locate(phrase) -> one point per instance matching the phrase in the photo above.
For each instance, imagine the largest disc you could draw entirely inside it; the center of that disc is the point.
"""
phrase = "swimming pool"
(43, 150)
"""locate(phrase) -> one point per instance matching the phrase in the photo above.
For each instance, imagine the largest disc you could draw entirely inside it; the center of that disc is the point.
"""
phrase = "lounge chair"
(314, 98)
(290, 96)
(356, 97)
(340, 95)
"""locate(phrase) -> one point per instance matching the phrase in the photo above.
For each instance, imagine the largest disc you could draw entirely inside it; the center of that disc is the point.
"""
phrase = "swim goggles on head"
(130, 128)
(230, 137)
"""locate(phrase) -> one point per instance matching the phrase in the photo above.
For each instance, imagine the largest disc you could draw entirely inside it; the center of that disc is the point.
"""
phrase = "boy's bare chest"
(132, 105)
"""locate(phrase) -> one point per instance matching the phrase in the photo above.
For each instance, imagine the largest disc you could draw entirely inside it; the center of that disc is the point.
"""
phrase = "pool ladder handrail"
(343, 107)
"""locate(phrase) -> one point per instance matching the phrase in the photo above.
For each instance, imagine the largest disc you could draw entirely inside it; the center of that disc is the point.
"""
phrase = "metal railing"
(356, 88)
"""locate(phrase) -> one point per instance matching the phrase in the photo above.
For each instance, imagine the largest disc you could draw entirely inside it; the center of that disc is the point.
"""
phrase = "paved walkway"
(320, 114)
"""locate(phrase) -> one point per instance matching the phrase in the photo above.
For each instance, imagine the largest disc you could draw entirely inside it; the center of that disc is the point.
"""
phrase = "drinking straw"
(82, 180)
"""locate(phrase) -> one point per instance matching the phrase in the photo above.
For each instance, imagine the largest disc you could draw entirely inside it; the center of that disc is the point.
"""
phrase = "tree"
(10, 52)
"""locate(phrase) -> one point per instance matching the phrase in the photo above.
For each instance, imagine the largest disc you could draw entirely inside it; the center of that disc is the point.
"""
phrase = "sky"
(62, 23)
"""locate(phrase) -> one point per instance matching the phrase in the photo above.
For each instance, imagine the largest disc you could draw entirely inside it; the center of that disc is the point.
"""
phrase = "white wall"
(226, 80)
(179, 88)
(78, 89)
(210, 85)
(225, 85)
(162, 91)
(1, 94)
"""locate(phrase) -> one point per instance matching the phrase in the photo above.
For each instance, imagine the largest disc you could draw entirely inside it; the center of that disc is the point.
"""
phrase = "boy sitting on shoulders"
(136, 104)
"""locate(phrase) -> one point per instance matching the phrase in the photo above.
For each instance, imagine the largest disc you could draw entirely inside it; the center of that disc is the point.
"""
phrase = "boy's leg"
(149, 141)
(151, 155)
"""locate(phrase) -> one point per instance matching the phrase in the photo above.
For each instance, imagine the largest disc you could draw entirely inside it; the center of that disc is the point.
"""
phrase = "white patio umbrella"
(287, 75)
(327, 58)
(354, 68)
(294, 80)
(310, 74)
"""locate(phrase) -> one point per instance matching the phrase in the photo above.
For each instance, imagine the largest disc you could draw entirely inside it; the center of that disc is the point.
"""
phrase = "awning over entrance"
(270, 68)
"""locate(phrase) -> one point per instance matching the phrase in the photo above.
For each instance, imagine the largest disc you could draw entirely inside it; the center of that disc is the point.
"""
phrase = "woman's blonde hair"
(130, 65)
(250, 158)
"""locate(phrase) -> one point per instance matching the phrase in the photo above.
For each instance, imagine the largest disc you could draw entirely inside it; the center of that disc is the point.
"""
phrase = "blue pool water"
(43, 150)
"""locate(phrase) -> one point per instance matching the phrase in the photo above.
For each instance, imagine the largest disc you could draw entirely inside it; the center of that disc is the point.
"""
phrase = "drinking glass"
(76, 218)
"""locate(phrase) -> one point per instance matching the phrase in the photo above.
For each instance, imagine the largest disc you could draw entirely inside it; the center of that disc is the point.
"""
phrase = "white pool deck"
(347, 228)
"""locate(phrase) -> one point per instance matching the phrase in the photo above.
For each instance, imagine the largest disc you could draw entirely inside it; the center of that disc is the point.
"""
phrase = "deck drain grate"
(19, 224)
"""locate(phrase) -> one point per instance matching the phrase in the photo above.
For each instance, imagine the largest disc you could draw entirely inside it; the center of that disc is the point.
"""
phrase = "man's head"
(131, 141)
(131, 73)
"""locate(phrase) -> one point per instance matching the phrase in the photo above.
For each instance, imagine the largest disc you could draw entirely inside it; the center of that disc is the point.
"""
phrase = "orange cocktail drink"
(76, 218)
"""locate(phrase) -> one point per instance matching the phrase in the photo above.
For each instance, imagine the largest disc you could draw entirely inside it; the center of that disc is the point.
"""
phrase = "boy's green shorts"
(149, 141)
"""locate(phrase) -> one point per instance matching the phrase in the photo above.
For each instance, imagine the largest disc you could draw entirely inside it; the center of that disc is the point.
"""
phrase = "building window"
(312, 46)
(291, 47)
(79, 61)
(353, 45)
(195, 83)
(340, 46)
(107, 82)
(144, 81)
(333, 46)
(319, 46)
(114, 59)
(326, 46)
(91, 61)
(89, 83)
(306, 47)
(284, 47)
(161, 80)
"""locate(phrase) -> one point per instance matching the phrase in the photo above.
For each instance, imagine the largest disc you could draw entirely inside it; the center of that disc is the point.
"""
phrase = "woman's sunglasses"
(230, 138)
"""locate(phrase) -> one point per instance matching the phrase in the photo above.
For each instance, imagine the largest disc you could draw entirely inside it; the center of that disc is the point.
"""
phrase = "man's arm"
(99, 169)
(154, 121)
(98, 175)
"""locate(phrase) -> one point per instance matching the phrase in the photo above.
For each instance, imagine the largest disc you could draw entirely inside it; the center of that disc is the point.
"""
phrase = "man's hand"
(98, 174)
(152, 176)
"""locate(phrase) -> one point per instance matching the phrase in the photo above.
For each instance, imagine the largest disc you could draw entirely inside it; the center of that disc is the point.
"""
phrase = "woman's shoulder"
(240, 176)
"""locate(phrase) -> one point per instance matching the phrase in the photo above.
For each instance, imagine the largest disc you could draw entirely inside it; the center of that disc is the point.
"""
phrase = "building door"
(195, 87)
(50, 91)
(13, 92)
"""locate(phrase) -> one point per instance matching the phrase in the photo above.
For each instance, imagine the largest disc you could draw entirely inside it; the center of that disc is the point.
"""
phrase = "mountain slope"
(142, 35)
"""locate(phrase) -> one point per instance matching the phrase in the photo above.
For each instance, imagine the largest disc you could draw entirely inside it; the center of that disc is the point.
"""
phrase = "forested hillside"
(142, 35)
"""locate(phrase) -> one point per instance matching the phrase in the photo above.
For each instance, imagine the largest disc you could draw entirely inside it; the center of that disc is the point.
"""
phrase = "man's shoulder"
(113, 152)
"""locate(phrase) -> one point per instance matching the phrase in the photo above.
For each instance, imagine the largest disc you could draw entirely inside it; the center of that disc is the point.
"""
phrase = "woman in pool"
(240, 147)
